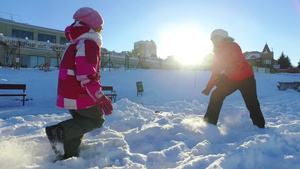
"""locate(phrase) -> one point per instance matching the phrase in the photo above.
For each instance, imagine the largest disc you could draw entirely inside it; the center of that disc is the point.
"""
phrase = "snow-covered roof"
(253, 56)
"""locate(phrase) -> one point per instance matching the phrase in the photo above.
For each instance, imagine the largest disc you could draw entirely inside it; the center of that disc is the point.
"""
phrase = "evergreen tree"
(299, 64)
(284, 61)
(288, 62)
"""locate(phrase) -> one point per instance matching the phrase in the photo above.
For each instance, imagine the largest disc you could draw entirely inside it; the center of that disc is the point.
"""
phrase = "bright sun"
(188, 45)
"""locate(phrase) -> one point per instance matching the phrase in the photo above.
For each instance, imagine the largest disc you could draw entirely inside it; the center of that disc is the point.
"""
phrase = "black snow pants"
(247, 87)
(83, 121)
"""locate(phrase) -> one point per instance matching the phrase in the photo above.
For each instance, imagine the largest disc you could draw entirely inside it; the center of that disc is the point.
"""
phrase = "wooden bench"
(112, 95)
(288, 85)
(14, 87)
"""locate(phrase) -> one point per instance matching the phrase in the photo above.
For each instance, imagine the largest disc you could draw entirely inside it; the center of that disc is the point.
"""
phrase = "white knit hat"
(219, 32)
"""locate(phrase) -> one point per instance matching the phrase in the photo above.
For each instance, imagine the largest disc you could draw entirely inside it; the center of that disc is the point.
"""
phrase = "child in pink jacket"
(79, 87)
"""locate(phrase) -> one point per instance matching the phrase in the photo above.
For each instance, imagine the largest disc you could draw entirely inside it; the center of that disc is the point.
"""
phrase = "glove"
(104, 104)
(206, 91)
(220, 80)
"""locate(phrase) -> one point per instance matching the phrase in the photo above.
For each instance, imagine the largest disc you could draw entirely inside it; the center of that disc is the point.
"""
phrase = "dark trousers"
(247, 87)
(83, 121)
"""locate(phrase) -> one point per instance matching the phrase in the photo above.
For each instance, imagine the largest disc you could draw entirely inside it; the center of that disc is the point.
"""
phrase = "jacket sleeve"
(87, 58)
(216, 71)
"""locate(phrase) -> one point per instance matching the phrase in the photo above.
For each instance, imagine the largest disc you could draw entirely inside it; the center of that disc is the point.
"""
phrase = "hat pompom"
(89, 16)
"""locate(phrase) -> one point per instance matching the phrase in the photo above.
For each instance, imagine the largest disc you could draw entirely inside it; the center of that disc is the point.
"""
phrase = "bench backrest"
(107, 88)
(13, 86)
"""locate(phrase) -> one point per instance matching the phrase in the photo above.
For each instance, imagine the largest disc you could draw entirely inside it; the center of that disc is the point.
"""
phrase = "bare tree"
(10, 51)
(58, 49)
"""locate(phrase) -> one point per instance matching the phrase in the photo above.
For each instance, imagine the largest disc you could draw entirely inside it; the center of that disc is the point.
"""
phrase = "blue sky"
(174, 24)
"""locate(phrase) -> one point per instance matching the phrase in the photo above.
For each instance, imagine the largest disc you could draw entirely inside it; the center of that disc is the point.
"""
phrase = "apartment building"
(30, 46)
(145, 49)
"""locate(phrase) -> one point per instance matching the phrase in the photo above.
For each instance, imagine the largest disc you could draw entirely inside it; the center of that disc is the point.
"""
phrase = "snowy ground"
(134, 136)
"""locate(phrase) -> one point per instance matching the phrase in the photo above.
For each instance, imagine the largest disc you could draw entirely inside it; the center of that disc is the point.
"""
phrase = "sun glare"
(297, 5)
(187, 45)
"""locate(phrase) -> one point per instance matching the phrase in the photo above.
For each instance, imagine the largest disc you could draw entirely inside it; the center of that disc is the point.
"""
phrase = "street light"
(21, 43)
(127, 60)
(1, 36)
(18, 58)
(139, 66)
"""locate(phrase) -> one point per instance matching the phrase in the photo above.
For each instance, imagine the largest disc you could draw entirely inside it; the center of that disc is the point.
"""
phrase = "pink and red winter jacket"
(79, 73)
(230, 59)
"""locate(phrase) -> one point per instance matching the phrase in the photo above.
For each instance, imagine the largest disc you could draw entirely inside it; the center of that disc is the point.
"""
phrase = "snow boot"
(56, 137)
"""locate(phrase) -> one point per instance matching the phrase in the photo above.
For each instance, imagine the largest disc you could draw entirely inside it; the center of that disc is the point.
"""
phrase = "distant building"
(261, 59)
(145, 49)
(26, 45)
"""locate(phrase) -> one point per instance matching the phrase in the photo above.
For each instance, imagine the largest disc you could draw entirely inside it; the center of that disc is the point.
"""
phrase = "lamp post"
(127, 60)
(1, 38)
(128, 64)
(109, 63)
(125, 64)
(139, 66)
(18, 58)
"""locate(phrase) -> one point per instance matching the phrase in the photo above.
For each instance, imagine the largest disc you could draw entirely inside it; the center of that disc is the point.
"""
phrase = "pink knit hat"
(89, 16)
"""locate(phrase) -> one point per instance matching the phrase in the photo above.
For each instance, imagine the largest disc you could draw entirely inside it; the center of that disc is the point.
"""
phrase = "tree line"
(285, 62)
